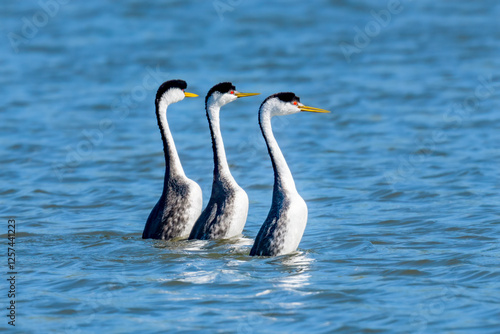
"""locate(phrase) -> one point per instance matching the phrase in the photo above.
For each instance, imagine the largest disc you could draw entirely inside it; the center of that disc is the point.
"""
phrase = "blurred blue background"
(401, 179)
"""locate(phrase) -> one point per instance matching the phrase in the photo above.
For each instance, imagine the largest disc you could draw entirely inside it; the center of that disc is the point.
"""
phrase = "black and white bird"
(284, 226)
(180, 203)
(226, 212)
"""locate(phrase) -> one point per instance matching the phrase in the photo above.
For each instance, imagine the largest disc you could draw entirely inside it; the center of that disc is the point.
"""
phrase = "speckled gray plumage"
(168, 218)
(270, 240)
(214, 222)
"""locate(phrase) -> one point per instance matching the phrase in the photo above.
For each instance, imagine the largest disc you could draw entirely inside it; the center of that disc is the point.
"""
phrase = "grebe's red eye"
(231, 92)
(295, 102)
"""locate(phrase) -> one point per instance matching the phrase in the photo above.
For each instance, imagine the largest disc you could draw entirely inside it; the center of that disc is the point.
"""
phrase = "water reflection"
(296, 268)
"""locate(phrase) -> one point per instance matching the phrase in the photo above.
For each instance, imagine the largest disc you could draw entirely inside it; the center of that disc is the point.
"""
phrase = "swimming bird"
(180, 203)
(226, 212)
(284, 226)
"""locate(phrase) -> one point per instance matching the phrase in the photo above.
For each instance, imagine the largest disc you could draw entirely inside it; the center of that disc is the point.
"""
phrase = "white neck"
(221, 168)
(173, 165)
(283, 180)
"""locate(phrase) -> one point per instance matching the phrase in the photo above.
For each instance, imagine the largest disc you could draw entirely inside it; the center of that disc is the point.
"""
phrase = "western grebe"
(180, 203)
(284, 226)
(226, 212)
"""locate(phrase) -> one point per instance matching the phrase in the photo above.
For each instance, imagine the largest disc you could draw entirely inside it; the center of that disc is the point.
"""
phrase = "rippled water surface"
(401, 179)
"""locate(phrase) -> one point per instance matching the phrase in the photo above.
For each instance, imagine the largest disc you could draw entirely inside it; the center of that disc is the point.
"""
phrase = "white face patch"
(219, 99)
(173, 95)
(280, 108)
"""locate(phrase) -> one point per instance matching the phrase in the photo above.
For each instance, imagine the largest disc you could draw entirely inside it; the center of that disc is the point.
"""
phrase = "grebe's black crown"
(223, 87)
(284, 96)
(181, 84)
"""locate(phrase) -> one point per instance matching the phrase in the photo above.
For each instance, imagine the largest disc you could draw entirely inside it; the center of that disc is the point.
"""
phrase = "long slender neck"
(283, 180)
(221, 168)
(173, 165)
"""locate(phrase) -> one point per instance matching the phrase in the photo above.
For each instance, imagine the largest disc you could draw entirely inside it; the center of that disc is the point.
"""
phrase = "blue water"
(401, 179)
